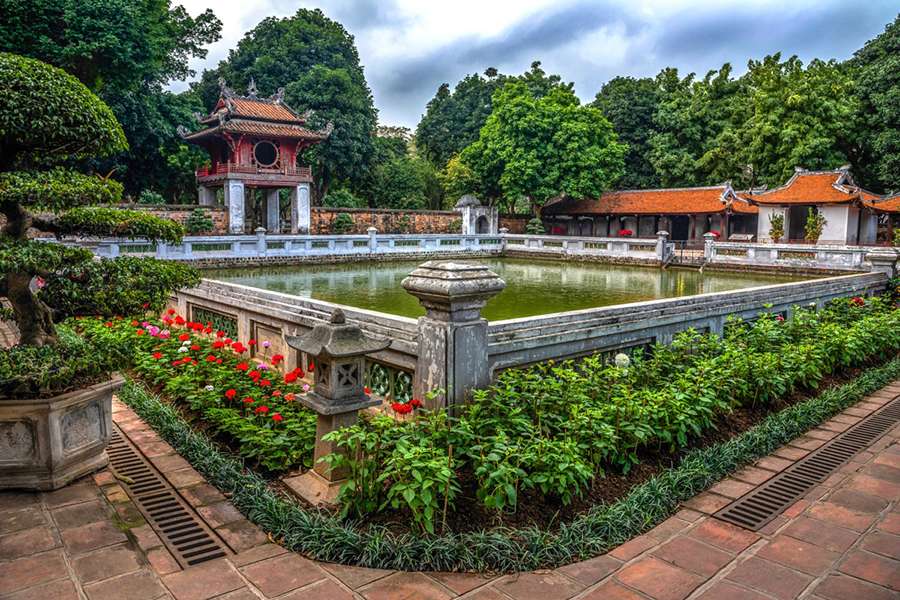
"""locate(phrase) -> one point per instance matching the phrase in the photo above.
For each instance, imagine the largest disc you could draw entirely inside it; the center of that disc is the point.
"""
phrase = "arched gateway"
(254, 142)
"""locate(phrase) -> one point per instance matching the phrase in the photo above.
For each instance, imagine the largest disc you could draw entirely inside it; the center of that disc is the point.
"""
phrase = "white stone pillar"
(206, 196)
(373, 239)
(234, 200)
(300, 217)
(273, 211)
(452, 336)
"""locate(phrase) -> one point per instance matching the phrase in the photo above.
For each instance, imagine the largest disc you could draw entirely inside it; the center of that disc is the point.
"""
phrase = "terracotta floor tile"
(873, 568)
(693, 555)
(724, 535)
(781, 582)
(462, 583)
(282, 574)
(541, 585)
(32, 570)
(589, 572)
(142, 585)
(659, 579)
(355, 577)
(405, 586)
(203, 581)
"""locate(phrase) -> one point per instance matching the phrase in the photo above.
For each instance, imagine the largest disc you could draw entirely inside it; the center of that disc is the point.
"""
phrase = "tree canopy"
(316, 61)
(47, 117)
(540, 147)
(876, 70)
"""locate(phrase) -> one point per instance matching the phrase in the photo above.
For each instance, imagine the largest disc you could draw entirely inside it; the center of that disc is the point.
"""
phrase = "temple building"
(852, 215)
(847, 208)
(254, 143)
(686, 213)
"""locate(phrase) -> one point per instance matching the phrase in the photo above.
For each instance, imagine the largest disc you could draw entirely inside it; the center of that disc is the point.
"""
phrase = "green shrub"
(150, 197)
(535, 227)
(343, 223)
(815, 223)
(199, 221)
(342, 198)
(776, 227)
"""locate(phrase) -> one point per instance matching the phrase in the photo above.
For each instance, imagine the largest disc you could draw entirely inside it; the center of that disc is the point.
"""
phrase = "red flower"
(231, 393)
(210, 358)
(184, 337)
(261, 410)
(312, 367)
(415, 403)
(251, 343)
(290, 377)
(195, 347)
(290, 396)
(277, 359)
(175, 363)
(220, 334)
(248, 400)
(171, 311)
(400, 408)
(254, 375)
(134, 323)
(779, 318)
(108, 324)
(366, 390)
(146, 305)
(167, 320)
(242, 366)
(277, 417)
(218, 361)
(857, 301)
(625, 232)
(139, 332)
(264, 383)
(238, 347)
(276, 393)
(157, 355)
(179, 320)
(218, 344)
(207, 330)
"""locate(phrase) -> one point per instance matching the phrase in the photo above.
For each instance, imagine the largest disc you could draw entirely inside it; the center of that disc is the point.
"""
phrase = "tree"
(630, 104)
(543, 147)
(47, 118)
(403, 182)
(794, 116)
(453, 121)
(876, 68)
(124, 51)
(316, 61)
(457, 179)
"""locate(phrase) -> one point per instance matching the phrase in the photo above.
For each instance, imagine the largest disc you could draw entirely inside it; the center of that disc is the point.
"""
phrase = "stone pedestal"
(206, 196)
(273, 211)
(452, 335)
(884, 261)
(339, 349)
(46, 443)
(234, 202)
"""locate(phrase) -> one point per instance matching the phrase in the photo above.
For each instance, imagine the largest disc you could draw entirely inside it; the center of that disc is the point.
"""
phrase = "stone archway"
(482, 225)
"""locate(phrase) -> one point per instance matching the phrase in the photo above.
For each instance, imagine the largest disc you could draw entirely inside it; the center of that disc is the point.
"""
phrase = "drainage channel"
(183, 532)
(757, 508)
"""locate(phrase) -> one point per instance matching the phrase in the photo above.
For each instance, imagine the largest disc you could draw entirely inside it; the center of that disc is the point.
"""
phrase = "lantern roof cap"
(337, 338)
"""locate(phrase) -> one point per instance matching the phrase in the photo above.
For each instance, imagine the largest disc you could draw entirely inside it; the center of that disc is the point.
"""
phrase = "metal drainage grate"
(183, 532)
(756, 508)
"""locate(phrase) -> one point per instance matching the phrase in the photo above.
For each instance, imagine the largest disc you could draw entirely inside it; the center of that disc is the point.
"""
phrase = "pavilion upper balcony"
(254, 174)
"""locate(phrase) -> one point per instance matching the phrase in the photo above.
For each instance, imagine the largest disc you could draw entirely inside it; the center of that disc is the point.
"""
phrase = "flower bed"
(324, 537)
(250, 401)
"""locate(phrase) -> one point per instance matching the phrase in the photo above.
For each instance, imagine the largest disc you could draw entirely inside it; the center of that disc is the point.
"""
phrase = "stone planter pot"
(46, 443)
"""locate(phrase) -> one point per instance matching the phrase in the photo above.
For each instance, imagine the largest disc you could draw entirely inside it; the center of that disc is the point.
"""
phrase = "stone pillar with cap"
(339, 350)
(452, 336)
(662, 241)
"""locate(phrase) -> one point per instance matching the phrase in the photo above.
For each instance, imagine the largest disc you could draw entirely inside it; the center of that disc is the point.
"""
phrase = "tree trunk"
(33, 317)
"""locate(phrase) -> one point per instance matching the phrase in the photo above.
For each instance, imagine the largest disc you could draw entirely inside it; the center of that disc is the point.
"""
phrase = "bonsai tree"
(776, 226)
(199, 221)
(343, 223)
(534, 227)
(815, 223)
(48, 122)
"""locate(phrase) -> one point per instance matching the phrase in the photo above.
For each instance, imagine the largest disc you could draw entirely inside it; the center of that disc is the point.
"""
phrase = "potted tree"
(55, 388)
(776, 227)
(815, 224)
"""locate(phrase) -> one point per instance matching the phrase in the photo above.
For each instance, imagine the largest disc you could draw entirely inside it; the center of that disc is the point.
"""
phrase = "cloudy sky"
(409, 47)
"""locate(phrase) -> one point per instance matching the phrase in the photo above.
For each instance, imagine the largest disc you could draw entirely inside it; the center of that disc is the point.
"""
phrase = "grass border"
(321, 536)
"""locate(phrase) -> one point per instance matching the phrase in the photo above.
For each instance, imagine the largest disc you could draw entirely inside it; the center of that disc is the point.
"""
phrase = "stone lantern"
(339, 350)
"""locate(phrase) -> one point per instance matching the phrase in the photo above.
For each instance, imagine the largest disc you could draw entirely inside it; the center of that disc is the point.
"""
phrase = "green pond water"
(532, 287)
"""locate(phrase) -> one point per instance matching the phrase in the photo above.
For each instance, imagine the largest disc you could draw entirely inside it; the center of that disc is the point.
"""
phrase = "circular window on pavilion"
(265, 153)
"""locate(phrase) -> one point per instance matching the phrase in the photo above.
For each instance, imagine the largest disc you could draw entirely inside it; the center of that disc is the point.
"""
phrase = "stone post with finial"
(340, 350)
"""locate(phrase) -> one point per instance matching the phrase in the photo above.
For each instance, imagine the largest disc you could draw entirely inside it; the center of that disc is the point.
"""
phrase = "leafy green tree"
(457, 179)
(794, 116)
(403, 182)
(342, 198)
(47, 118)
(124, 51)
(692, 114)
(452, 121)
(316, 61)
(630, 104)
(876, 68)
(543, 147)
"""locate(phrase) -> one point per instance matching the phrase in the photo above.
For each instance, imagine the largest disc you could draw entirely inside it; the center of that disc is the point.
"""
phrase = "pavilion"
(255, 142)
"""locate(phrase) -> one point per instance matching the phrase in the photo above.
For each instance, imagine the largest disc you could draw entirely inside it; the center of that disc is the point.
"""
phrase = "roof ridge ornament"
(224, 90)
(278, 96)
(251, 89)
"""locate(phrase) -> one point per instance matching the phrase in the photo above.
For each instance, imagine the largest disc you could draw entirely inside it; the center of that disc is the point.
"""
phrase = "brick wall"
(387, 220)
(515, 223)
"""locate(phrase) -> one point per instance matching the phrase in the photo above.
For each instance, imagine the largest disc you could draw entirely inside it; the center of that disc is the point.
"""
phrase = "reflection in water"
(532, 287)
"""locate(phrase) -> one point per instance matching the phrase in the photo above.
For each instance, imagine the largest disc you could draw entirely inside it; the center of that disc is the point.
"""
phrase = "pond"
(533, 287)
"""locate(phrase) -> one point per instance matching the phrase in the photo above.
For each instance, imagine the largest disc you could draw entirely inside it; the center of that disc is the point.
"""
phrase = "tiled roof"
(890, 204)
(811, 187)
(674, 201)
(263, 109)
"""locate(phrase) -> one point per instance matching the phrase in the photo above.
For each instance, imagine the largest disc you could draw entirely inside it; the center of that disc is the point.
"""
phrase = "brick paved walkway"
(841, 542)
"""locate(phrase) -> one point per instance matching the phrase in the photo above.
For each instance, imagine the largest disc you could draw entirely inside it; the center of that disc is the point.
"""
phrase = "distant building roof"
(670, 201)
(814, 187)
(889, 204)
(255, 116)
